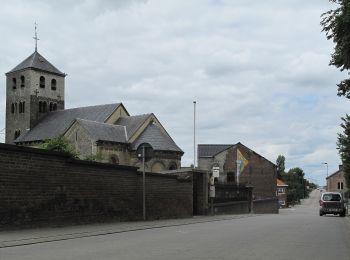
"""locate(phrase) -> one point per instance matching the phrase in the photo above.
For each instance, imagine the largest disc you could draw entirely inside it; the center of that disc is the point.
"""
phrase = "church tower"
(33, 88)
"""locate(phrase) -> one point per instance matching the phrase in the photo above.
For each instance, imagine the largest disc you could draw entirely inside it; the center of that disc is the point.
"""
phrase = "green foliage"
(59, 144)
(94, 157)
(336, 24)
(343, 145)
(280, 162)
(298, 187)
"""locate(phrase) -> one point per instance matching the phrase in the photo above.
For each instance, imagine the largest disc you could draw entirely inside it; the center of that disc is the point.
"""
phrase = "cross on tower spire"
(36, 37)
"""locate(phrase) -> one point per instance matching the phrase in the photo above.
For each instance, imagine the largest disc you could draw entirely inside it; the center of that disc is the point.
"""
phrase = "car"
(332, 203)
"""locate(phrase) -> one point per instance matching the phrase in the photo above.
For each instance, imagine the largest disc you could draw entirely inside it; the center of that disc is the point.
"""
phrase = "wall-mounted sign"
(216, 172)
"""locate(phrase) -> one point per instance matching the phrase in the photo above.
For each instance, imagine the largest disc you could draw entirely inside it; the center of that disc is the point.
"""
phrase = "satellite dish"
(146, 150)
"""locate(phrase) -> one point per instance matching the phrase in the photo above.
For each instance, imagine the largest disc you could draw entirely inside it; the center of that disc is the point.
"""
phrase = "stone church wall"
(39, 187)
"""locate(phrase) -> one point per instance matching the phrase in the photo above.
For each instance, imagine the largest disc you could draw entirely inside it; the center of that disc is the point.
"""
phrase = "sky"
(258, 70)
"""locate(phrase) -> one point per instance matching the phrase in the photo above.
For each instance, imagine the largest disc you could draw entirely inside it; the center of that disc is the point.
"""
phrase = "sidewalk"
(44, 235)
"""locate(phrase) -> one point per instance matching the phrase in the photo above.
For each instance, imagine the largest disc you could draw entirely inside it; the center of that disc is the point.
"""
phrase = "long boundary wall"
(43, 187)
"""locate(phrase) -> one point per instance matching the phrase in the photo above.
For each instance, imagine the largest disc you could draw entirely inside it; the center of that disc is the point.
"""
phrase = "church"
(35, 112)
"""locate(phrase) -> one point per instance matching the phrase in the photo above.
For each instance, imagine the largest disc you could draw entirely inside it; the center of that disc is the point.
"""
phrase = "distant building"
(35, 112)
(281, 193)
(253, 169)
(336, 181)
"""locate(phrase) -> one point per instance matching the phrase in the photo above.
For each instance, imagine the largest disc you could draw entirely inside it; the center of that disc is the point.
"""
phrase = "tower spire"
(36, 37)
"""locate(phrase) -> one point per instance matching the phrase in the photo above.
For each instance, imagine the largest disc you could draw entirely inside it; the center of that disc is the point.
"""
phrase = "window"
(17, 134)
(40, 107)
(44, 107)
(53, 84)
(20, 107)
(114, 159)
(14, 83)
(280, 190)
(54, 107)
(340, 186)
(42, 82)
(13, 108)
(50, 107)
(22, 81)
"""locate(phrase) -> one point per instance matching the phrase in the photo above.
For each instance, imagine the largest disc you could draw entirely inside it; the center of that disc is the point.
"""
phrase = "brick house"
(253, 169)
(281, 193)
(336, 181)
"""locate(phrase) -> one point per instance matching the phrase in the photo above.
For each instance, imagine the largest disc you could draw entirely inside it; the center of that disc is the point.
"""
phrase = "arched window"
(13, 108)
(173, 166)
(44, 107)
(54, 107)
(17, 134)
(50, 107)
(22, 81)
(42, 82)
(114, 159)
(53, 84)
(14, 83)
(20, 107)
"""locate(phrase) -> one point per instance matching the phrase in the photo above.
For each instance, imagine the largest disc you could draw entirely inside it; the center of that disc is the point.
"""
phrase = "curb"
(131, 228)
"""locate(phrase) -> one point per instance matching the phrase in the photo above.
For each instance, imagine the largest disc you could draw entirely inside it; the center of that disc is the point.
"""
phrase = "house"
(336, 181)
(35, 112)
(241, 165)
(281, 193)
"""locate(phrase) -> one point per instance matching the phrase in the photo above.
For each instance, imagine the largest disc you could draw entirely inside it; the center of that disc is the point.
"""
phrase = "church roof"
(57, 123)
(103, 131)
(132, 123)
(157, 139)
(37, 62)
(210, 150)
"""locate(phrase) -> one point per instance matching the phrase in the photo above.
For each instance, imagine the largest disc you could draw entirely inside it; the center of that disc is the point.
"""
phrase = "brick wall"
(39, 186)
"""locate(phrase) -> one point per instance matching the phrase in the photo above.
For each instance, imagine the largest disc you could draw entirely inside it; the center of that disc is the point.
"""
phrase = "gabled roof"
(132, 123)
(103, 131)
(37, 62)
(157, 139)
(210, 150)
(57, 123)
(281, 183)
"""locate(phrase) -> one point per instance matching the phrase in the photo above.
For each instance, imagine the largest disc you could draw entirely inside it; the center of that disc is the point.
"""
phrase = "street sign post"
(145, 153)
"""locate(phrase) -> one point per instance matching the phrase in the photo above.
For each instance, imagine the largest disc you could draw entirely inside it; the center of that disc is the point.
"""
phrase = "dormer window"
(14, 83)
(53, 84)
(22, 81)
(42, 82)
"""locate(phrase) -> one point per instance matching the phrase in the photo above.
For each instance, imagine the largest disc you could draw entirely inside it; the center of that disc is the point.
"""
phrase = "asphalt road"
(297, 233)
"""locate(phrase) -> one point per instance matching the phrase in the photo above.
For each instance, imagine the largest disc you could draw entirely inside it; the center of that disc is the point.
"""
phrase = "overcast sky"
(257, 69)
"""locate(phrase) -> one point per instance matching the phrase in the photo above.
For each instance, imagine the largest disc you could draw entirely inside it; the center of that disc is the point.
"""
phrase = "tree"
(343, 145)
(59, 144)
(280, 162)
(297, 185)
(336, 24)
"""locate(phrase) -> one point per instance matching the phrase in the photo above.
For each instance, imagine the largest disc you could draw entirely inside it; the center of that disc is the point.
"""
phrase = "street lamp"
(327, 173)
(194, 134)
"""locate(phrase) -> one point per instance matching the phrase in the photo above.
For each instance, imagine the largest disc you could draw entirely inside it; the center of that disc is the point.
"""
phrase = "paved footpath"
(44, 235)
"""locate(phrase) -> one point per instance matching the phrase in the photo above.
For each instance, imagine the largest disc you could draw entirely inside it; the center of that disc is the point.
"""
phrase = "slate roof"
(37, 62)
(210, 150)
(132, 123)
(103, 131)
(157, 139)
(57, 123)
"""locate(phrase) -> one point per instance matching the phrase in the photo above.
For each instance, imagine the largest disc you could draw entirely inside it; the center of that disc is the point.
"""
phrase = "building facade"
(241, 165)
(336, 181)
(281, 193)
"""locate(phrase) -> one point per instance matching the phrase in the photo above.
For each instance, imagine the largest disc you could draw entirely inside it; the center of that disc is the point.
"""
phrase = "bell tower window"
(53, 84)
(14, 83)
(42, 82)
(22, 81)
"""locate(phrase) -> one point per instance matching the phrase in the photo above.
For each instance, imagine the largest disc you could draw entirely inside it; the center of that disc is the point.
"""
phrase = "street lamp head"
(325, 163)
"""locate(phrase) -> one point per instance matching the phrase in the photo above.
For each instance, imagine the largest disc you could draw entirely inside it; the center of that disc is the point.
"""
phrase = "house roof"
(157, 139)
(57, 123)
(334, 174)
(281, 183)
(104, 132)
(210, 150)
(37, 62)
(132, 123)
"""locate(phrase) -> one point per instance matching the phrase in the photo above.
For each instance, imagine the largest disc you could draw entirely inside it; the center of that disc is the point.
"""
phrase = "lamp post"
(194, 134)
(327, 174)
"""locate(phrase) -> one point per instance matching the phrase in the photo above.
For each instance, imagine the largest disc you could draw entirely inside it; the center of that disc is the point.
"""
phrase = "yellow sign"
(243, 161)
